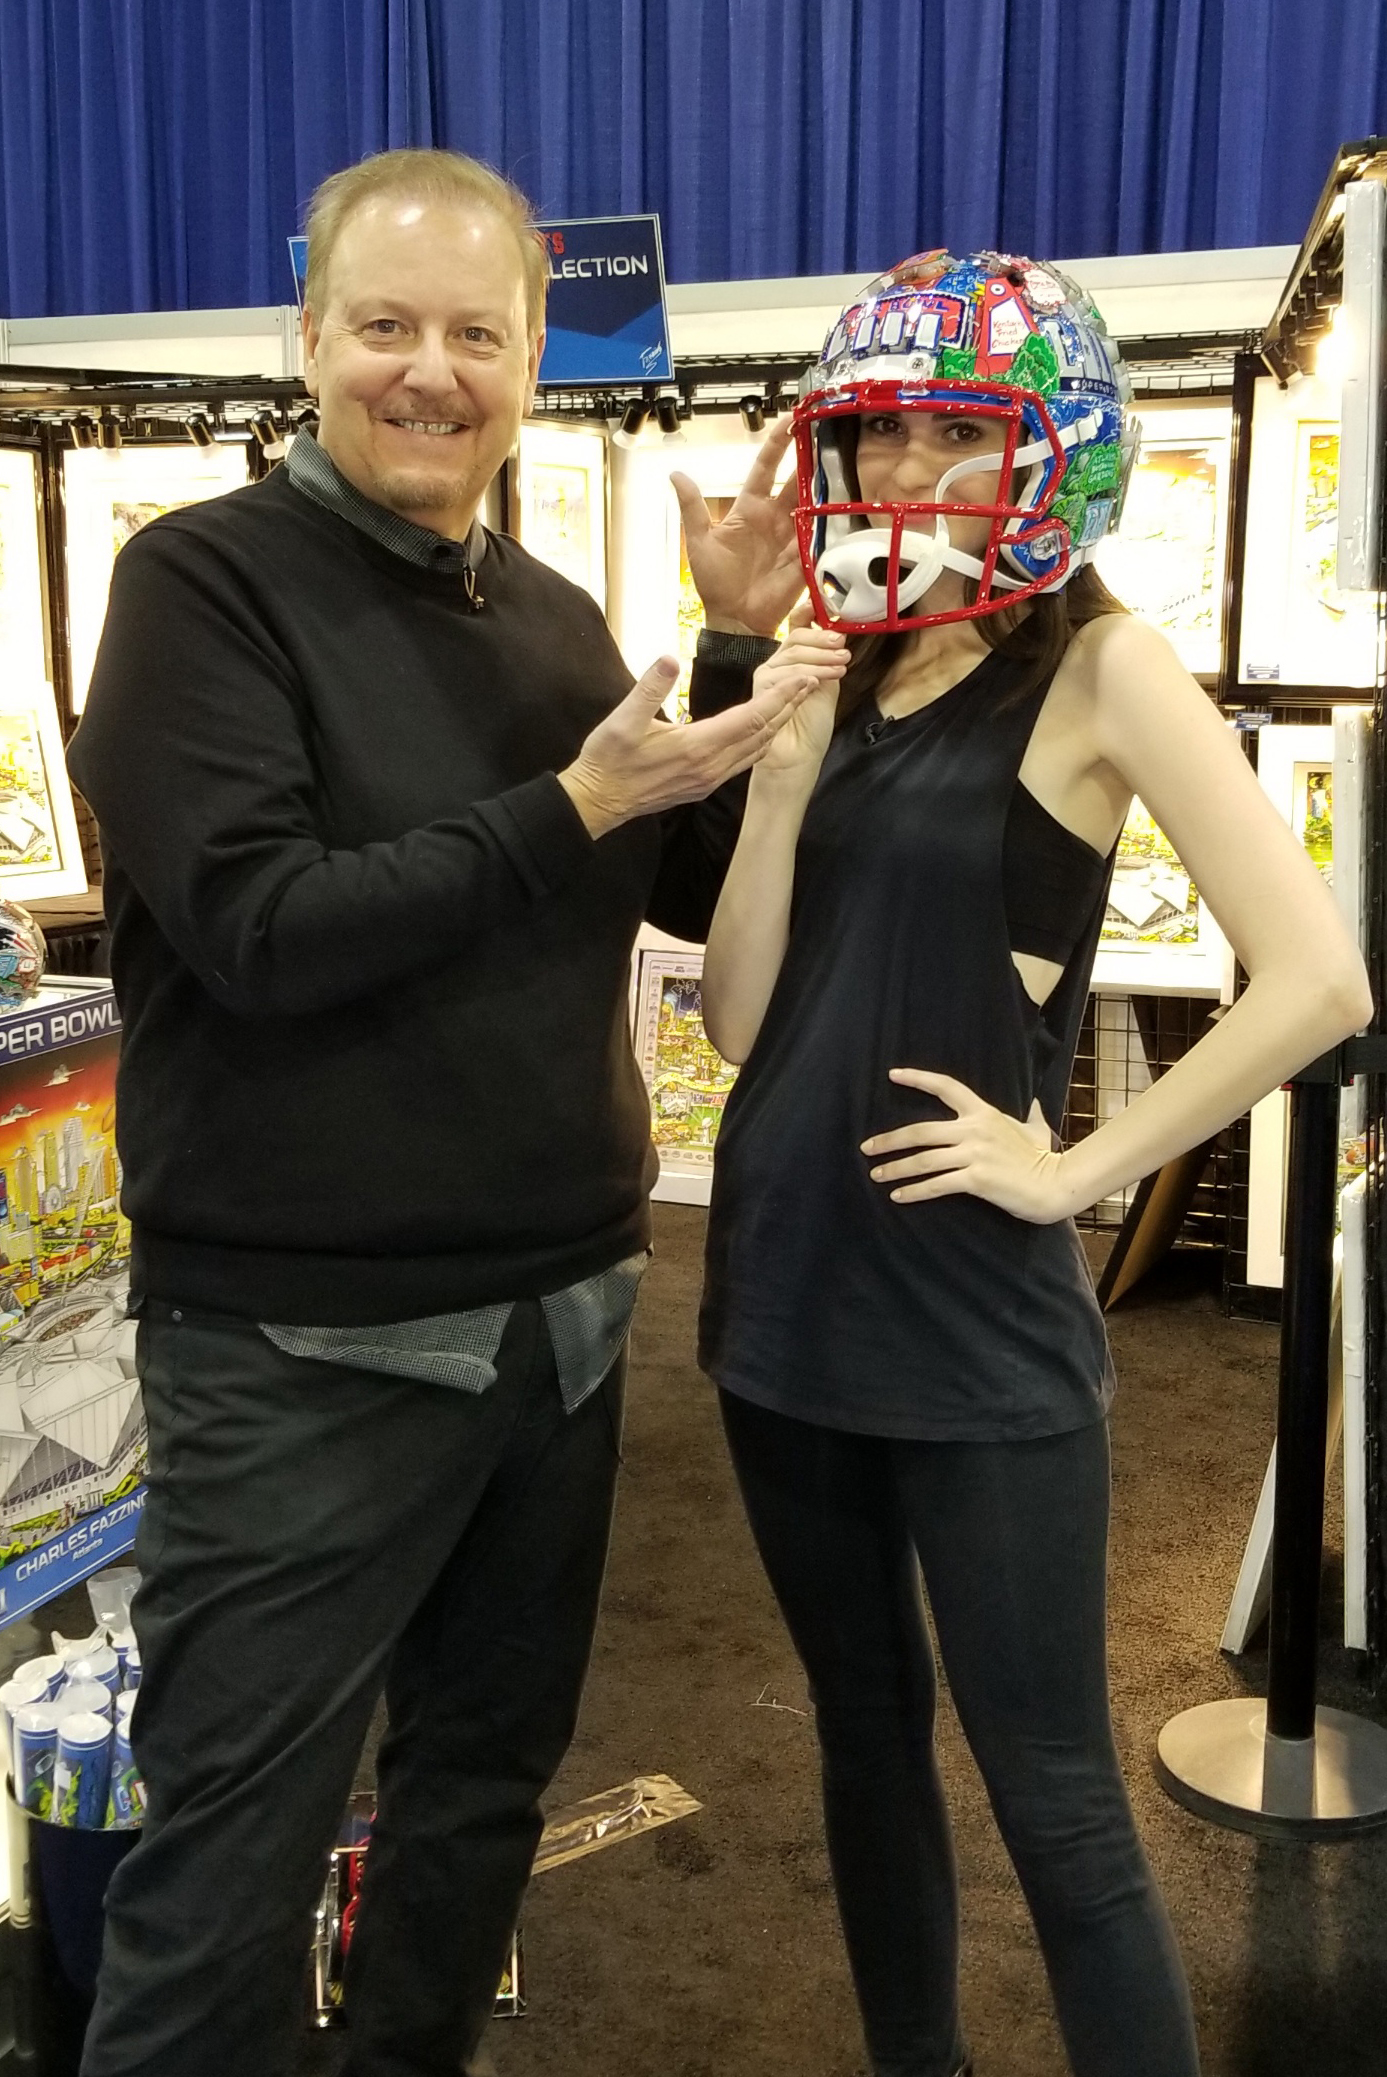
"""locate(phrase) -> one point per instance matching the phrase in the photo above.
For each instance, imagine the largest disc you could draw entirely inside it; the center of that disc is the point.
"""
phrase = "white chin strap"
(845, 569)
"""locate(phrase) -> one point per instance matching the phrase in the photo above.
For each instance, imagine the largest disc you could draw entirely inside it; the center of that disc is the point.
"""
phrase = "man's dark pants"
(315, 1536)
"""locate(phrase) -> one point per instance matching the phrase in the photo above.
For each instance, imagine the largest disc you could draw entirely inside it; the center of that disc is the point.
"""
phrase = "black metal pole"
(1303, 1409)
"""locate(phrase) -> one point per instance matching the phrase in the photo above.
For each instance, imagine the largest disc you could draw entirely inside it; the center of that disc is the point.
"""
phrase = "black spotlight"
(268, 437)
(632, 420)
(199, 430)
(753, 417)
(83, 432)
(108, 433)
(667, 417)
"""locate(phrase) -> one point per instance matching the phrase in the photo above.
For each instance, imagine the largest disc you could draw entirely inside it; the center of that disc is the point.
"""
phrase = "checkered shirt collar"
(313, 471)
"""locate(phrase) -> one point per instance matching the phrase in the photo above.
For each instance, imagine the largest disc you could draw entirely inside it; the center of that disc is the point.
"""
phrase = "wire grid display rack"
(1126, 1042)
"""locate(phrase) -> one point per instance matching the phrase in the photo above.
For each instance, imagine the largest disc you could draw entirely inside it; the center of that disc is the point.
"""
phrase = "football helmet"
(23, 954)
(1008, 339)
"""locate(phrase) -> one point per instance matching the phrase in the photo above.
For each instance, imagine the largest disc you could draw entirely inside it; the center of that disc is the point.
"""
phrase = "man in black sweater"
(381, 815)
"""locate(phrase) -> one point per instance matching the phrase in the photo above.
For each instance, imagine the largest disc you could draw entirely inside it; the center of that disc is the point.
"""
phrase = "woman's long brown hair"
(1035, 636)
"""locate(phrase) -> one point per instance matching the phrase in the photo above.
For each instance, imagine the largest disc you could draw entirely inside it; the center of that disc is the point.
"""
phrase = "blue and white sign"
(86, 1546)
(607, 316)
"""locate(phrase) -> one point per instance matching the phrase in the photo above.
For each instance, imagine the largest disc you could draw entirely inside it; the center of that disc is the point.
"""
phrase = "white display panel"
(561, 498)
(1165, 562)
(1360, 318)
(22, 660)
(109, 496)
(1298, 626)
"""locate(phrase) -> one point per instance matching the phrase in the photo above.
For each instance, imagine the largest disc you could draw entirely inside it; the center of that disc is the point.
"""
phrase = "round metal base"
(1221, 1762)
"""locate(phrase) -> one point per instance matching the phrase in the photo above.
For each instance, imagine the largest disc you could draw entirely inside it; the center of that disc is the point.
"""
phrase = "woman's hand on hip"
(980, 1151)
(746, 567)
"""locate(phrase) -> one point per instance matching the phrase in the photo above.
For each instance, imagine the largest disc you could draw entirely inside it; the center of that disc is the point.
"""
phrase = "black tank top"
(823, 1299)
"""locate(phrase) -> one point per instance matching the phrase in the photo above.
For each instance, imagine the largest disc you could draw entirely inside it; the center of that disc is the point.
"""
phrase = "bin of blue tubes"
(75, 1805)
(66, 1720)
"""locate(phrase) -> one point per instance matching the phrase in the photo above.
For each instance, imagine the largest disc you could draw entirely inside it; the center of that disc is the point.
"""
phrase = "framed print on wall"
(561, 503)
(1158, 936)
(1295, 768)
(688, 1079)
(1298, 626)
(1165, 562)
(40, 850)
(109, 496)
(23, 659)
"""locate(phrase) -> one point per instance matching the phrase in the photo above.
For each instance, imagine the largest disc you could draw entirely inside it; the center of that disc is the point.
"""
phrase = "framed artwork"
(561, 503)
(1299, 627)
(1295, 768)
(1158, 937)
(40, 850)
(1166, 561)
(687, 1077)
(23, 659)
(109, 496)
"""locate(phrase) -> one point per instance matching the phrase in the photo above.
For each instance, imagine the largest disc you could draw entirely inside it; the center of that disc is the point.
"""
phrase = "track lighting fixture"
(753, 416)
(199, 430)
(108, 432)
(632, 420)
(268, 437)
(668, 419)
(83, 432)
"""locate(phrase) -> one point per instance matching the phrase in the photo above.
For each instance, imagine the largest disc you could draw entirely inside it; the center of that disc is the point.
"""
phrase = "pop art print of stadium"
(1004, 319)
(72, 1435)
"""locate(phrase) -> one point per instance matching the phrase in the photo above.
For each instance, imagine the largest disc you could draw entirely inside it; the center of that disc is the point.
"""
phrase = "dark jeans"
(1012, 1541)
(316, 1536)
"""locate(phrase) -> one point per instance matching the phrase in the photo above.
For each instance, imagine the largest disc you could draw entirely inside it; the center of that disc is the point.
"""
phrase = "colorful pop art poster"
(1165, 562)
(71, 1430)
(561, 498)
(688, 1079)
(22, 655)
(109, 496)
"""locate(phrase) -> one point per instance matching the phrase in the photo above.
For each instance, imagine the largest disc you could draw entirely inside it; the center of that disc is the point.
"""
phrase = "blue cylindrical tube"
(18, 1694)
(35, 1752)
(51, 1666)
(101, 1664)
(86, 1698)
(82, 1772)
(133, 1667)
(125, 1805)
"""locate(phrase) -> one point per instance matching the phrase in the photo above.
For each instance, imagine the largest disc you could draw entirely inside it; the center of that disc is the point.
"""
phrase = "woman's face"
(901, 457)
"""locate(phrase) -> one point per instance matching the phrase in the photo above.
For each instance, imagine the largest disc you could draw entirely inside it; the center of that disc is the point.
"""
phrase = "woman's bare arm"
(1307, 985)
(751, 925)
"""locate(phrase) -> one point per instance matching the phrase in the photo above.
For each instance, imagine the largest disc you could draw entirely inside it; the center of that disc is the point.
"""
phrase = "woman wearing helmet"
(913, 1370)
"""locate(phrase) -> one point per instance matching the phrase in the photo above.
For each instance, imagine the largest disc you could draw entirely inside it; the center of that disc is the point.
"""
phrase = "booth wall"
(155, 154)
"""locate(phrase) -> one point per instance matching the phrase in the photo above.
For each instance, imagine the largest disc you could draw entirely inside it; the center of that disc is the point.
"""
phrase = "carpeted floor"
(710, 1949)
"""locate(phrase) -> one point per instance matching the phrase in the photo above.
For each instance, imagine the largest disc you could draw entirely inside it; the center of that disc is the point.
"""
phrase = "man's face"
(420, 360)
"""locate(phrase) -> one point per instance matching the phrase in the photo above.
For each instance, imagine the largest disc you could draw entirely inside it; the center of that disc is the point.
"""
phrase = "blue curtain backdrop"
(155, 154)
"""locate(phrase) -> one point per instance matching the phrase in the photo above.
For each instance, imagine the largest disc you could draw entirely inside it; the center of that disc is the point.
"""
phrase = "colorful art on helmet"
(1012, 338)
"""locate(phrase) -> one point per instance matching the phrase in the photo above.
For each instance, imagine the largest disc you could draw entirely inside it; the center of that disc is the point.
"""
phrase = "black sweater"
(372, 969)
